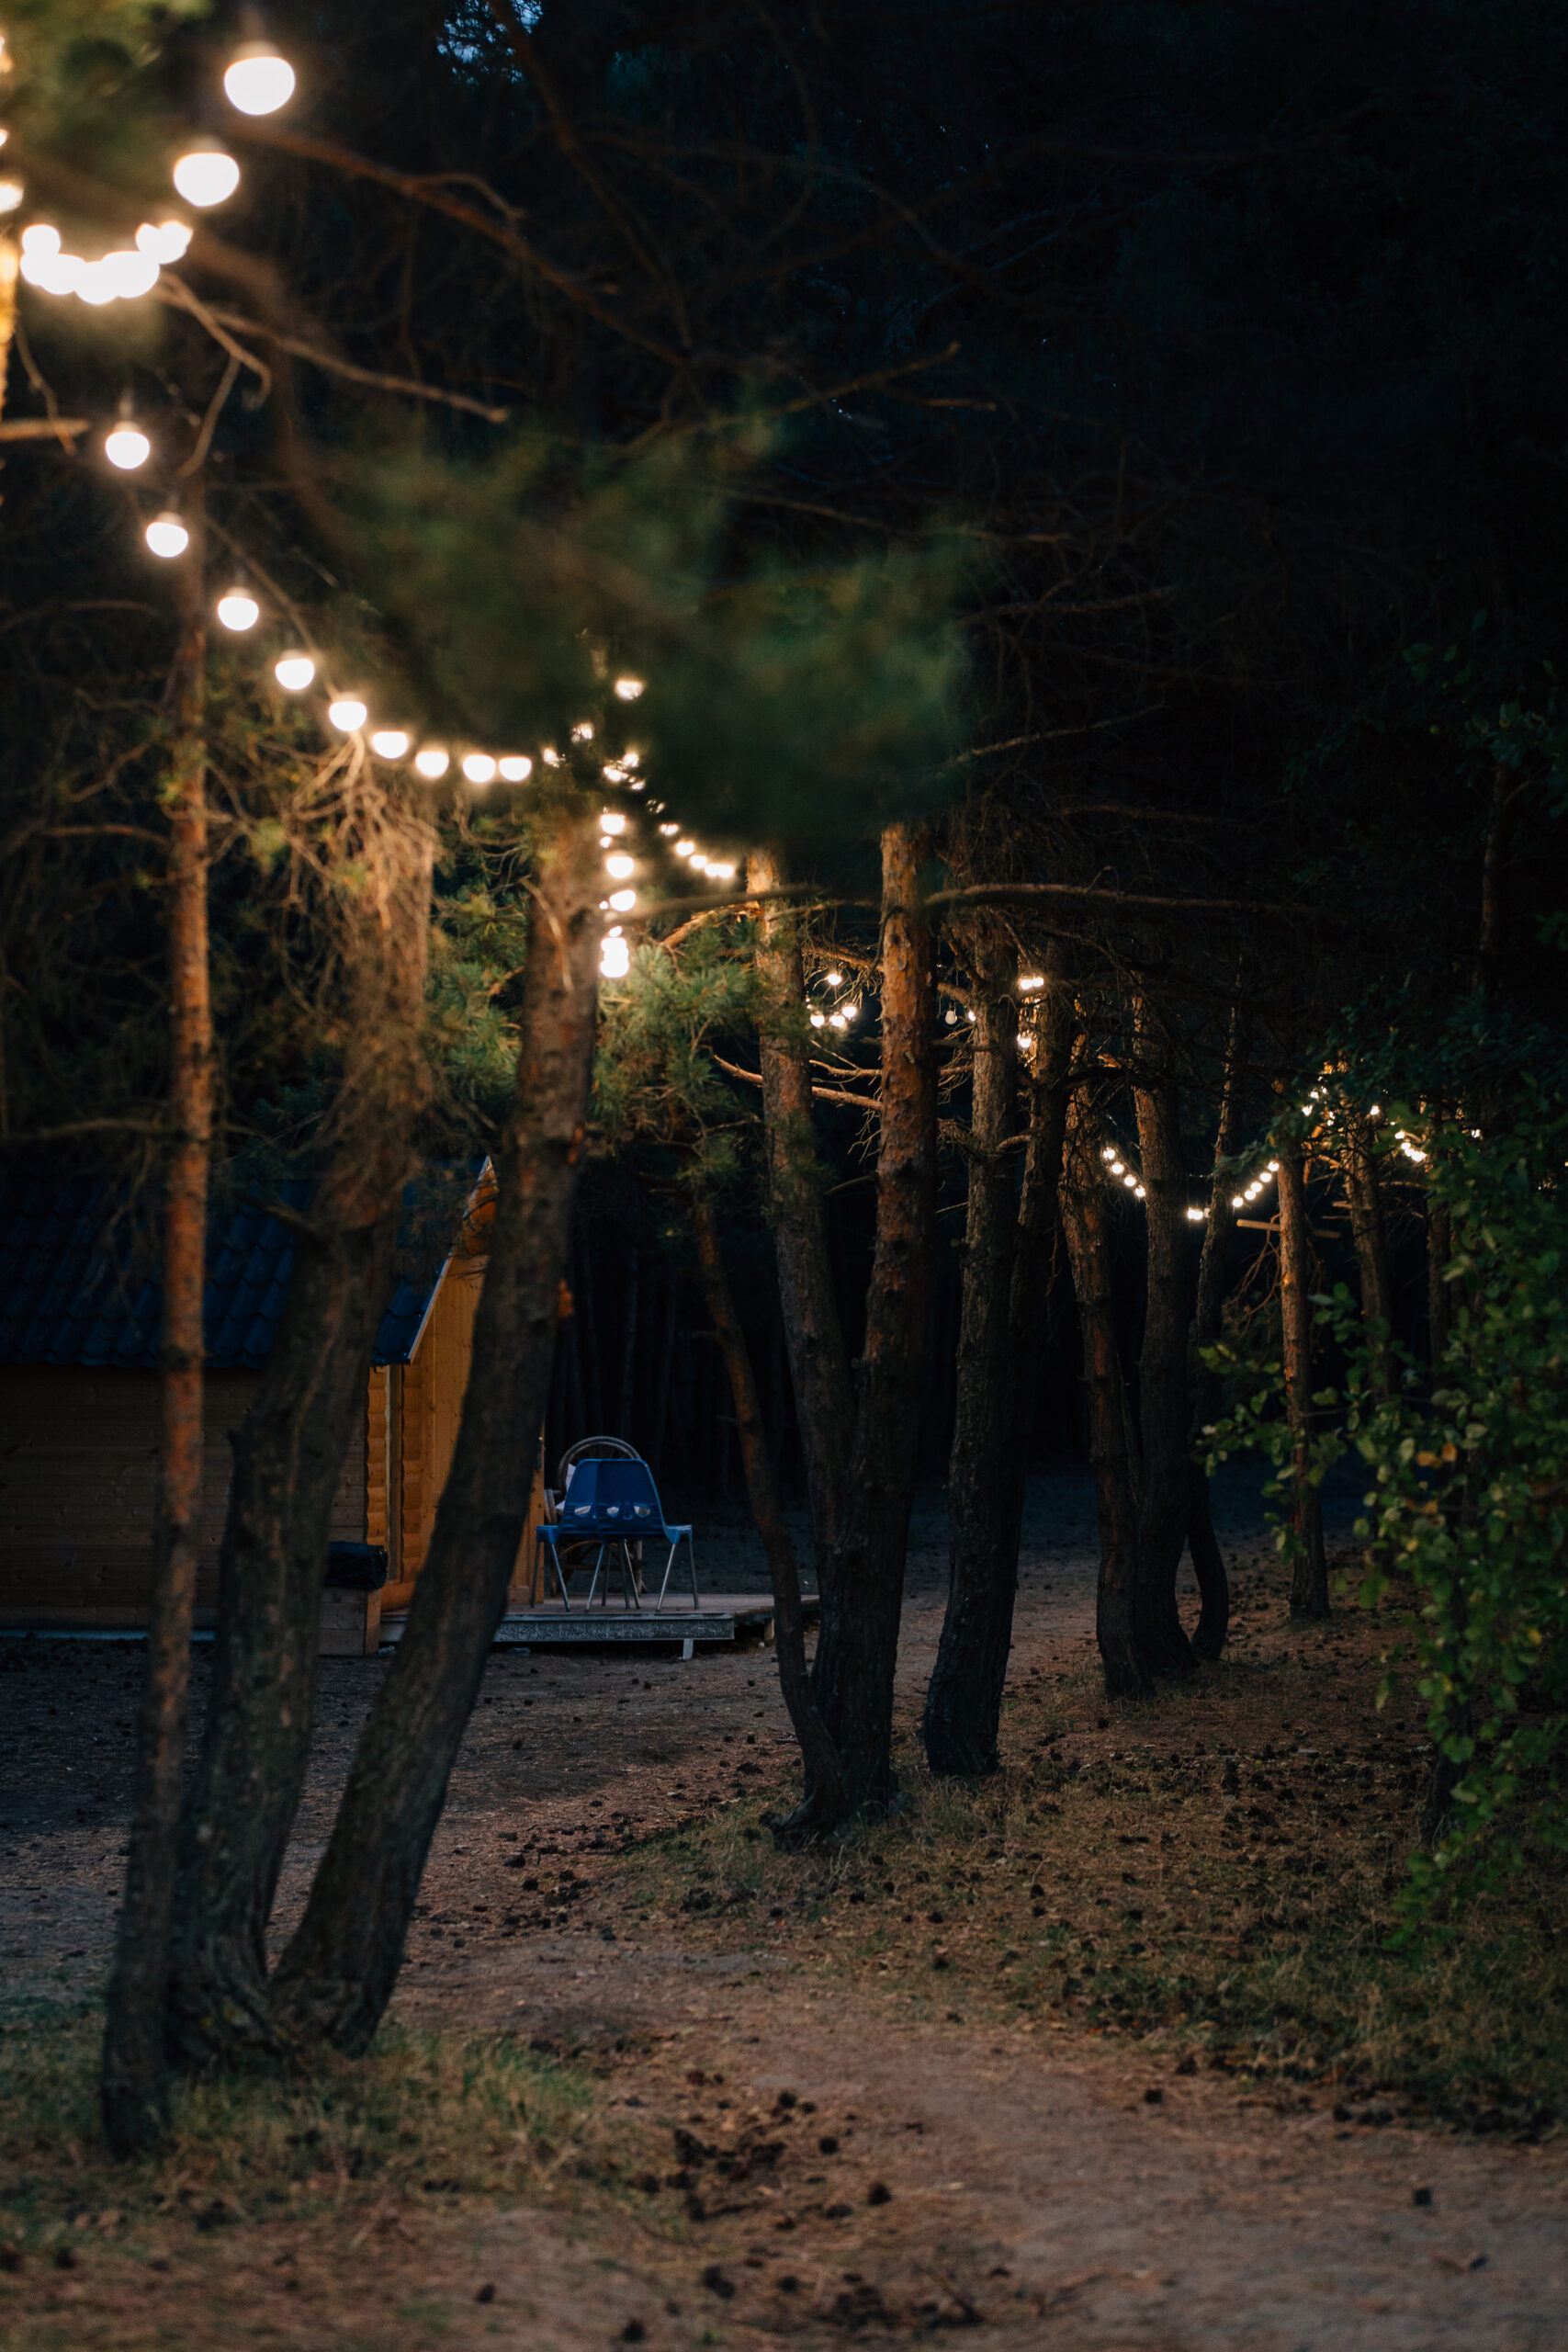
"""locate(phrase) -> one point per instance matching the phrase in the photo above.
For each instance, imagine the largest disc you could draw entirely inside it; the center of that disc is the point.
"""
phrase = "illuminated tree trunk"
(819, 1372)
(1009, 1248)
(819, 1755)
(1163, 1406)
(1083, 1218)
(337, 1974)
(1207, 1562)
(133, 2085)
(1309, 1569)
(289, 1457)
(862, 1600)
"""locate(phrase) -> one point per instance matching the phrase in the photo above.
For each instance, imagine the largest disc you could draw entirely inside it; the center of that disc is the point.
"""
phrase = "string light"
(622, 901)
(583, 732)
(294, 673)
(165, 241)
(612, 821)
(619, 867)
(683, 848)
(1196, 1217)
(515, 768)
(628, 689)
(238, 610)
(259, 81)
(615, 958)
(432, 761)
(478, 767)
(206, 174)
(834, 979)
(127, 446)
(166, 536)
(11, 195)
(389, 743)
(348, 714)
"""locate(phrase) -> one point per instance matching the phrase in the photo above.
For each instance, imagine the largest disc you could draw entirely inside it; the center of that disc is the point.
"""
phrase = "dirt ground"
(842, 2109)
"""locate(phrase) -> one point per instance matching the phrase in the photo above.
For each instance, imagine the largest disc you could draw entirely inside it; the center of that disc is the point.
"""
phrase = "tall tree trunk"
(337, 1974)
(820, 1758)
(1309, 1569)
(1440, 1291)
(1208, 1561)
(1365, 1199)
(133, 2084)
(1163, 1406)
(1007, 1276)
(289, 1456)
(862, 1599)
(1127, 1674)
(820, 1370)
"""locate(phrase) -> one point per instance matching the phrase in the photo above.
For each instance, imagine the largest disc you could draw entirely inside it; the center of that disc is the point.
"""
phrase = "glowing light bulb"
(1273, 1168)
(1023, 1041)
(347, 714)
(240, 611)
(949, 1017)
(40, 237)
(629, 759)
(669, 831)
(699, 863)
(628, 689)
(819, 1021)
(1118, 1167)
(127, 446)
(550, 756)
(619, 867)
(163, 241)
(1137, 1192)
(612, 821)
(432, 761)
(53, 273)
(1236, 1201)
(478, 767)
(389, 743)
(682, 849)
(166, 535)
(834, 979)
(583, 732)
(1130, 1182)
(1109, 1152)
(11, 195)
(721, 872)
(259, 81)
(615, 959)
(294, 673)
(514, 768)
(206, 174)
(835, 1021)
(119, 277)
(623, 901)
(851, 1010)
(1033, 980)
(1195, 1216)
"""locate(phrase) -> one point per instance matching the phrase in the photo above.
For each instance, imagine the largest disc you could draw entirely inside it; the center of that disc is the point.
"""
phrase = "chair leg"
(668, 1566)
(593, 1580)
(692, 1564)
(628, 1577)
(554, 1552)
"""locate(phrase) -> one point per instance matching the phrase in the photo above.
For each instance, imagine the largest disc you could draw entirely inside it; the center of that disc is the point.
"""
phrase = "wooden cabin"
(80, 1316)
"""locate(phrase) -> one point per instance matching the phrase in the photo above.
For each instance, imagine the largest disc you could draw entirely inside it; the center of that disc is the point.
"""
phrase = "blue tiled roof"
(79, 1274)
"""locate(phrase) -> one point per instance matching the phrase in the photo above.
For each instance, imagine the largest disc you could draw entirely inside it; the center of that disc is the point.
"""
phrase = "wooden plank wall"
(78, 1463)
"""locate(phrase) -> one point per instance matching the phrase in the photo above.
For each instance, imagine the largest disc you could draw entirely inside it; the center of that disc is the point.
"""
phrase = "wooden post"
(133, 2080)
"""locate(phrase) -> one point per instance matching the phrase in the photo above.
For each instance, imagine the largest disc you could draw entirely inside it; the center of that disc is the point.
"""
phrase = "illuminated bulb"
(629, 759)
(432, 761)
(1375, 1112)
(682, 849)
(583, 732)
(1118, 1167)
(619, 867)
(118, 278)
(389, 743)
(835, 1021)
(347, 714)
(294, 673)
(699, 863)
(11, 195)
(550, 757)
(1033, 980)
(1195, 1216)
(53, 273)
(628, 689)
(971, 1016)
(819, 1021)
(259, 81)
(623, 901)
(615, 959)
(612, 774)
(1109, 1152)
(166, 535)
(127, 448)
(834, 979)
(851, 1010)
(949, 1017)
(1236, 1201)
(515, 769)
(207, 174)
(163, 241)
(670, 831)
(721, 873)
(1023, 1041)
(612, 821)
(1273, 1168)
(478, 767)
(41, 238)
(240, 611)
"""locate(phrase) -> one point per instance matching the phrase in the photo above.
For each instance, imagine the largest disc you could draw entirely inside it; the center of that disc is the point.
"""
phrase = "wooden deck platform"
(721, 1617)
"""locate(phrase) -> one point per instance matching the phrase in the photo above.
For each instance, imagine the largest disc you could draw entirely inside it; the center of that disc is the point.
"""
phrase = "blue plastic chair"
(615, 1502)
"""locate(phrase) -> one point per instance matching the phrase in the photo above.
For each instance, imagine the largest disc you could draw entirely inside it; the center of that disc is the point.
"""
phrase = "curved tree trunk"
(824, 1779)
(133, 2084)
(820, 1370)
(1163, 1407)
(1083, 1218)
(289, 1456)
(862, 1603)
(1007, 1277)
(1309, 1571)
(337, 1974)
(1207, 1562)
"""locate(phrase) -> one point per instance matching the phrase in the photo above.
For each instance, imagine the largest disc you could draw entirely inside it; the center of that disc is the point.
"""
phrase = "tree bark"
(820, 1370)
(1126, 1670)
(862, 1599)
(133, 2083)
(1309, 1567)
(1440, 1292)
(337, 1974)
(1007, 1274)
(1364, 1197)
(1163, 1405)
(820, 1758)
(1207, 1562)
(289, 1456)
